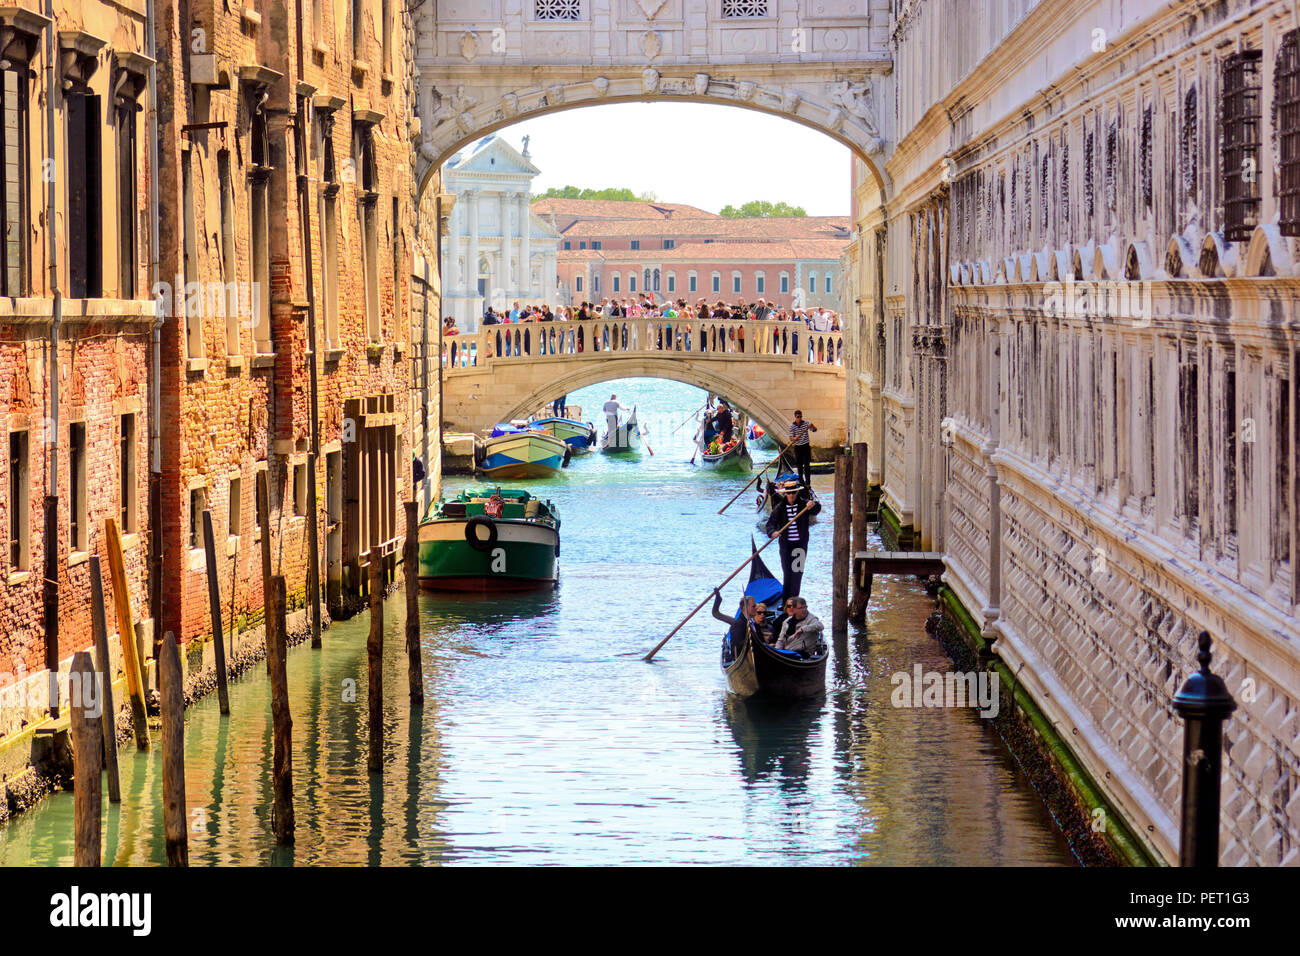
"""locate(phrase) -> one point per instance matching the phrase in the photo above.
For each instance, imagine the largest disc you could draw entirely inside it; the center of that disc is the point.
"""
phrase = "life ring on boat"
(471, 534)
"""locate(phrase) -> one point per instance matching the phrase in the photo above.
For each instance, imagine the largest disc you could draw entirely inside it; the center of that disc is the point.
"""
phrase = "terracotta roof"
(618, 209)
(797, 227)
(578, 255)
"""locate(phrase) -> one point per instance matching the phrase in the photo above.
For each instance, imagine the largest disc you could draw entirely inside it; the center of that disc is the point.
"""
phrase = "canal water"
(545, 739)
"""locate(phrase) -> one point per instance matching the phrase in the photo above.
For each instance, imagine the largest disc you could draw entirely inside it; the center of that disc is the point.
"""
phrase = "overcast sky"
(700, 154)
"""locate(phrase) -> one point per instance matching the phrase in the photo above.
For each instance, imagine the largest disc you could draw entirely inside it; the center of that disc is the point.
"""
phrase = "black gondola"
(757, 670)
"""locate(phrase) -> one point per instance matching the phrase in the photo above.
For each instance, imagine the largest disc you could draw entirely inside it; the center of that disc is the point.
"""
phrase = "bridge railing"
(536, 341)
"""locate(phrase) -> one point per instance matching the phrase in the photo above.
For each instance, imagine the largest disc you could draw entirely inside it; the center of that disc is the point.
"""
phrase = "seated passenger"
(800, 631)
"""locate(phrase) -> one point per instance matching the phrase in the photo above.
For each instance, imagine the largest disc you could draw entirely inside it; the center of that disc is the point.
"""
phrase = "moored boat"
(519, 452)
(489, 541)
(759, 437)
(580, 436)
(625, 438)
(758, 670)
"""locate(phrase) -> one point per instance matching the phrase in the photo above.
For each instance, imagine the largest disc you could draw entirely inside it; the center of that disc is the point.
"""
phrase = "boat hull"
(761, 672)
(626, 439)
(523, 455)
(577, 435)
(735, 460)
(524, 556)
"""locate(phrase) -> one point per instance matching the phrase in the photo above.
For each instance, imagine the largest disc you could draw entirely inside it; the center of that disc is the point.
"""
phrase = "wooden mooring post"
(858, 605)
(375, 656)
(87, 744)
(214, 603)
(172, 692)
(126, 632)
(264, 522)
(282, 818)
(99, 631)
(411, 561)
(840, 559)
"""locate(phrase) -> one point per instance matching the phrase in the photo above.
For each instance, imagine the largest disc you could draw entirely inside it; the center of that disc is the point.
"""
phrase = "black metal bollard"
(1204, 704)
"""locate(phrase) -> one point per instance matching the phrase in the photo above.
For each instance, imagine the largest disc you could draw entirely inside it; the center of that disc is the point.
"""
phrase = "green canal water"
(545, 739)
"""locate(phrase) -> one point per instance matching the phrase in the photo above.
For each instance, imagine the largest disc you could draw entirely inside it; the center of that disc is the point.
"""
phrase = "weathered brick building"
(193, 251)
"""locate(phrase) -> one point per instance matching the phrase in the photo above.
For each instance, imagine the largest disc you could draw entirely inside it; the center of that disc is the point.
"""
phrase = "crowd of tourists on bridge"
(613, 338)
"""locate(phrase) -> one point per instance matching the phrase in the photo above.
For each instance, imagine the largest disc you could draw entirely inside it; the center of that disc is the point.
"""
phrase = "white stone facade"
(496, 252)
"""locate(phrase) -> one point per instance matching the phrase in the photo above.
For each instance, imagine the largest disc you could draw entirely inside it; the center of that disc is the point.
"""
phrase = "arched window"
(656, 285)
(646, 283)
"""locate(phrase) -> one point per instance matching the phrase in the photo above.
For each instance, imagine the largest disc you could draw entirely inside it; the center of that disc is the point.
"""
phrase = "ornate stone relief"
(469, 46)
(601, 85)
(651, 45)
(745, 90)
(651, 7)
(701, 84)
(856, 99)
(510, 104)
(650, 80)
(790, 103)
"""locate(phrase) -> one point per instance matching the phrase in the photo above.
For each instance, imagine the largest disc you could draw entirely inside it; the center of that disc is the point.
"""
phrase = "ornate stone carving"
(651, 45)
(651, 8)
(745, 90)
(459, 104)
(469, 45)
(465, 121)
(556, 93)
(650, 80)
(510, 104)
(701, 84)
(856, 99)
(790, 103)
(601, 85)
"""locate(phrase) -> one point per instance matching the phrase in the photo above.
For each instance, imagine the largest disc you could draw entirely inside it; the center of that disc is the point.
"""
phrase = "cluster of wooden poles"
(93, 715)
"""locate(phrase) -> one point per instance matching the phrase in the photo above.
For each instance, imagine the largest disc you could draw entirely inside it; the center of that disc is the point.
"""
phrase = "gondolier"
(794, 539)
(799, 430)
(611, 410)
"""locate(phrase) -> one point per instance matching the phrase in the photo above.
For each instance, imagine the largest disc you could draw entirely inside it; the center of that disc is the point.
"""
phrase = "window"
(77, 522)
(828, 283)
(126, 187)
(396, 224)
(760, 283)
(300, 489)
(386, 21)
(259, 177)
(19, 502)
(577, 283)
(127, 474)
(656, 278)
(198, 502)
(568, 246)
(636, 244)
(735, 282)
(744, 8)
(595, 244)
(1189, 151)
(1287, 99)
(235, 508)
(368, 202)
(582, 245)
(672, 282)
(189, 253)
(812, 282)
(785, 283)
(229, 262)
(615, 278)
(646, 282)
(557, 10)
(1241, 135)
(13, 185)
(595, 283)
(669, 243)
(329, 230)
(717, 282)
(631, 282)
(358, 34)
(692, 282)
(1144, 158)
(317, 24)
(85, 255)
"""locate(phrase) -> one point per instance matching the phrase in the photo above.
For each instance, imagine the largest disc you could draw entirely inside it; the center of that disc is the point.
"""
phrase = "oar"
(742, 567)
(647, 443)
(688, 418)
(754, 479)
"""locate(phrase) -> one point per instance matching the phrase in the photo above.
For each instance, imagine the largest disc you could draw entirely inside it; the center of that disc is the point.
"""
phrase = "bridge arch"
(770, 414)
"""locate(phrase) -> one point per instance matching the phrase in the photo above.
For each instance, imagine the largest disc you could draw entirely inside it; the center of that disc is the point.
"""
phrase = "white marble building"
(492, 233)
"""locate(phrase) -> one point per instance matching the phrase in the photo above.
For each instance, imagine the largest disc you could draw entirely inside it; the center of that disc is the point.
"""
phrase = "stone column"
(507, 244)
(525, 252)
(452, 265)
(471, 255)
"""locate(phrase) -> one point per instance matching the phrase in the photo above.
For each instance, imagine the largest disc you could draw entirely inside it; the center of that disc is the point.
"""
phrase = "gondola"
(624, 439)
(734, 458)
(760, 671)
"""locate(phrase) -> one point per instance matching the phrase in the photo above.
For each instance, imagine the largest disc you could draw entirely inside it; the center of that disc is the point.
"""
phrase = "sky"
(702, 155)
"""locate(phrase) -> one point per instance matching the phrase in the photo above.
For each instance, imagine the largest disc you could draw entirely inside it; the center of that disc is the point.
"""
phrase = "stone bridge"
(768, 369)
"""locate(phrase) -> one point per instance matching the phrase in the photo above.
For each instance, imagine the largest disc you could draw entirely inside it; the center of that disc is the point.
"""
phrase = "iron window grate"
(1287, 95)
(1241, 131)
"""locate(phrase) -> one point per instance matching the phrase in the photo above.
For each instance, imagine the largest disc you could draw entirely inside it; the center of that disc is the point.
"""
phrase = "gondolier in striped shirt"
(802, 448)
(794, 539)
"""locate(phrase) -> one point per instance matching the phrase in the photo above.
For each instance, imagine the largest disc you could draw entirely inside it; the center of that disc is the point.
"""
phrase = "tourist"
(787, 609)
(449, 326)
(762, 311)
(743, 625)
(802, 446)
(792, 514)
(800, 632)
(724, 422)
(490, 317)
(514, 313)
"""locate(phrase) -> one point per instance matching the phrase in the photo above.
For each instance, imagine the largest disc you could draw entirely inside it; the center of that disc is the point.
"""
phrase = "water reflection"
(774, 739)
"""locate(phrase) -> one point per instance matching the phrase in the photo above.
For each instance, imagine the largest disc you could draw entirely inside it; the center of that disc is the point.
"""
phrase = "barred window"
(557, 10)
(1045, 185)
(1065, 182)
(1089, 177)
(1144, 157)
(1241, 116)
(744, 8)
(1287, 97)
(1189, 151)
(1112, 163)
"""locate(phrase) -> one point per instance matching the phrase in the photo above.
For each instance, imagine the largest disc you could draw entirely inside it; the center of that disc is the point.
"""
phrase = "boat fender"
(472, 536)
(568, 453)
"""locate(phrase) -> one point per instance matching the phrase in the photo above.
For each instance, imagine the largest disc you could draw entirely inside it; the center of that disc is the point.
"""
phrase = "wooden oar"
(689, 417)
(754, 479)
(742, 567)
(643, 438)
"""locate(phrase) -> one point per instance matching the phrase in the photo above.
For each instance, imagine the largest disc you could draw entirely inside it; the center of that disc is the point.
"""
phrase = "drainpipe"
(50, 592)
(155, 358)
